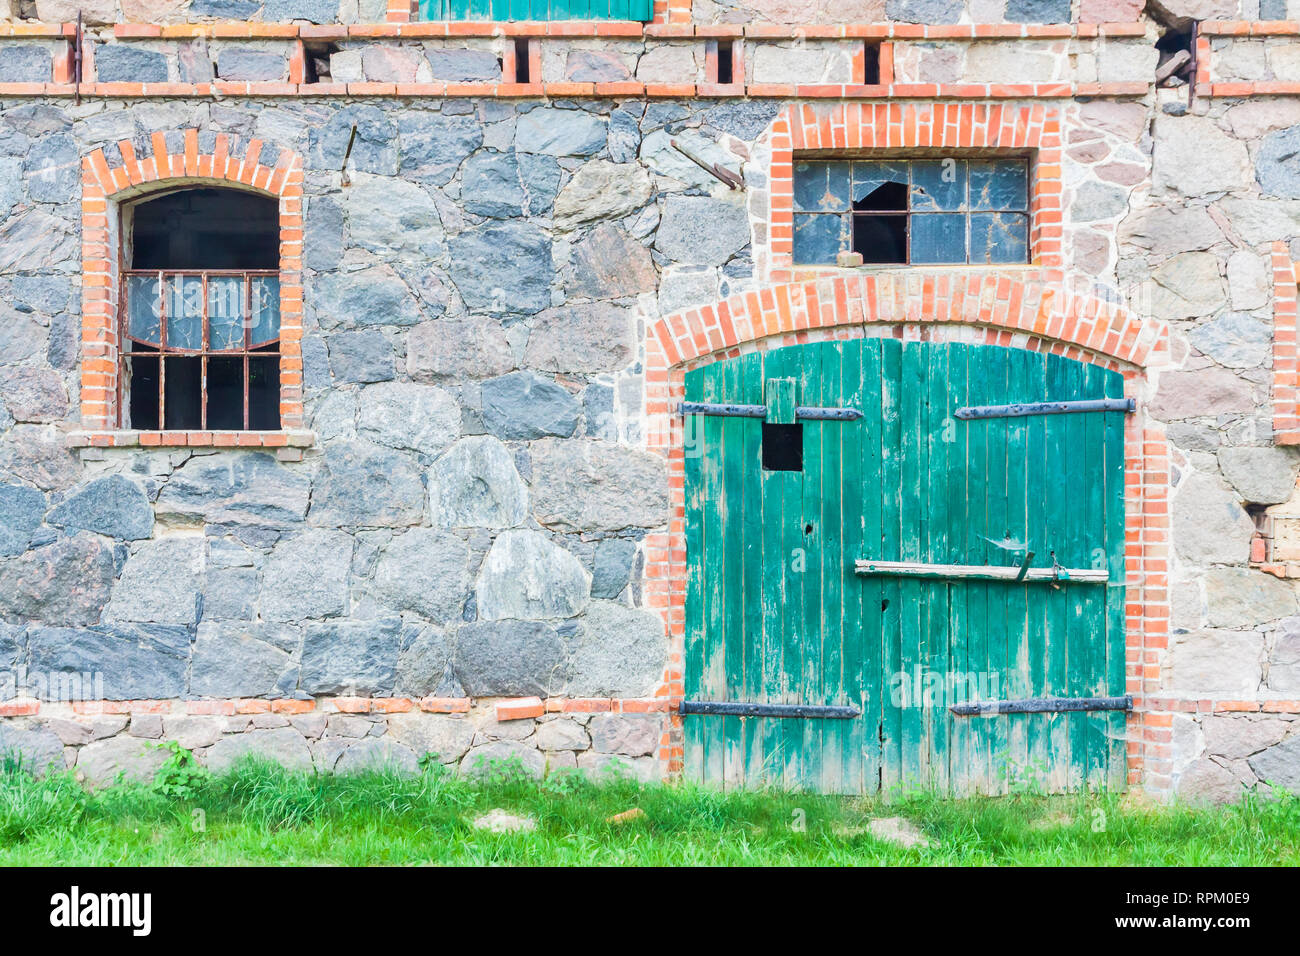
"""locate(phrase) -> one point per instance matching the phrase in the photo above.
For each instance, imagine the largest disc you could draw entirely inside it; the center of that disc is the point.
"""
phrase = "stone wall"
(102, 747)
(469, 520)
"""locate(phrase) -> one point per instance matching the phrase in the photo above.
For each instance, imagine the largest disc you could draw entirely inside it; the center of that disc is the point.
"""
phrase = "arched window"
(200, 311)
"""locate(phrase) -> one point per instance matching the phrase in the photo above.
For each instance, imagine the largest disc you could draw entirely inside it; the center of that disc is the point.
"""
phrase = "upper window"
(504, 10)
(920, 211)
(201, 312)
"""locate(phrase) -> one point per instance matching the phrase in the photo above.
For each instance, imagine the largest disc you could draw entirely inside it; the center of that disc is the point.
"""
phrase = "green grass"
(261, 814)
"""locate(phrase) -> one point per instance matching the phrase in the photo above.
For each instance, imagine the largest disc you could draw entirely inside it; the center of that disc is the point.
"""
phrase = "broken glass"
(999, 185)
(938, 185)
(821, 187)
(819, 238)
(999, 237)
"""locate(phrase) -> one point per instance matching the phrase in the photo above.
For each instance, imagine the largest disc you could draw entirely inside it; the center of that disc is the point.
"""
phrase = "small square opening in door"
(782, 447)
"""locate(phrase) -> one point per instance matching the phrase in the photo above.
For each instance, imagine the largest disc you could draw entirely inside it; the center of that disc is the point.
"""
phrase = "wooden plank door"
(771, 593)
(775, 613)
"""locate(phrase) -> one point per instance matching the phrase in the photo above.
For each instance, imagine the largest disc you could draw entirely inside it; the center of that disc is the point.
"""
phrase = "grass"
(263, 814)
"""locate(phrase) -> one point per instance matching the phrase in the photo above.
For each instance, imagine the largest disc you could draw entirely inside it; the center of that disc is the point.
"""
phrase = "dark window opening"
(726, 63)
(871, 63)
(920, 211)
(201, 312)
(316, 62)
(523, 67)
(782, 447)
(206, 229)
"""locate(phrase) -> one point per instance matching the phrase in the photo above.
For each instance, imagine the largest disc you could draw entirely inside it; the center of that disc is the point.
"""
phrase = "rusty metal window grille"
(918, 211)
(201, 349)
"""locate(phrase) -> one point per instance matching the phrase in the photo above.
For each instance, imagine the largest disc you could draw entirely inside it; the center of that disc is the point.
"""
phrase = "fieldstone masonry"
(475, 514)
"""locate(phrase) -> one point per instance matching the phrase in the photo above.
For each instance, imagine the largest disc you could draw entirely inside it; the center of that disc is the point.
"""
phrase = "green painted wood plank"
(1075, 548)
(938, 439)
(751, 392)
(864, 482)
(785, 364)
(891, 431)
(1098, 752)
(694, 450)
(997, 530)
(1019, 382)
(713, 683)
(913, 595)
(1117, 764)
(729, 570)
(1039, 473)
(812, 636)
(959, 518)
(842, 538)
(986, 444)
(1056, 601)
(773, 606)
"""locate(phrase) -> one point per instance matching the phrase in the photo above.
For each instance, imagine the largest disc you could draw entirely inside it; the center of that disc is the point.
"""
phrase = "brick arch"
(1046, 314)
(120, 174)
(1017, 308)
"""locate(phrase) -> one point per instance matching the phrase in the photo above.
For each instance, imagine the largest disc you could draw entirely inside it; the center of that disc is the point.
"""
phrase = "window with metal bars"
(201, 313)
(920, 211)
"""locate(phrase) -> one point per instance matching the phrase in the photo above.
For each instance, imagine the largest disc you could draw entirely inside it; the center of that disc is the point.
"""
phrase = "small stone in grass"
(499, 821)
(636, 813)
(900, 831)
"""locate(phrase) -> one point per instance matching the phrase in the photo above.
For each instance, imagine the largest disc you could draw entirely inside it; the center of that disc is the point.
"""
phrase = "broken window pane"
(819, 238)
(265, 310)
(999, 185)
(888, 197)
(870, 175)
(999, 237)
(938, 186)
(185, 312)
(144, 308)
(821, 187)
(225, 313)
(880, 238)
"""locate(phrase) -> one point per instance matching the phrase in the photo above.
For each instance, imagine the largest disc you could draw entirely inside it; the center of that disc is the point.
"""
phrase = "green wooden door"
(506, 10)
(777, 615)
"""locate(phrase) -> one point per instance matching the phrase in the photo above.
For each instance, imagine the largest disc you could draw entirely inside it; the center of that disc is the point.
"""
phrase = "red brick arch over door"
(111, 178)
(1011, 308)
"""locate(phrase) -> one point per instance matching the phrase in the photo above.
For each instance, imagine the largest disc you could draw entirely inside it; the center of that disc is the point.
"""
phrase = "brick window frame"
(879, 129)
(1019, 308)
(109, 182)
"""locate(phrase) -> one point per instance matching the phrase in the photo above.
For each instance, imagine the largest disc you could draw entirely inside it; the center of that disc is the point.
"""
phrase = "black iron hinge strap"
(727, 708)
(760, 411)
(1041, 705)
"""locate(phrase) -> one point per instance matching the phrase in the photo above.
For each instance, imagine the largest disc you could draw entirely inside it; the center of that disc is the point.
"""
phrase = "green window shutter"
(505, 10)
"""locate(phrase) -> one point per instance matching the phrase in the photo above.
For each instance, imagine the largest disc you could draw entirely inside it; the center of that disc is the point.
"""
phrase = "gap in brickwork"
(726, 63)
(316, 62)
(523, 71)
(871, 63)
(1176, 65)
